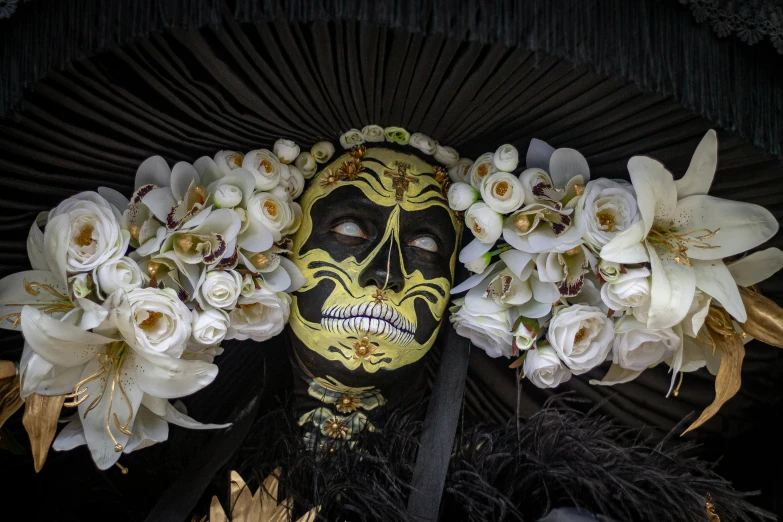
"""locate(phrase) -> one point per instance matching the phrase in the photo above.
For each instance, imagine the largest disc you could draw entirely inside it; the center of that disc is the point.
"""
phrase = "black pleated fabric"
(185, 93)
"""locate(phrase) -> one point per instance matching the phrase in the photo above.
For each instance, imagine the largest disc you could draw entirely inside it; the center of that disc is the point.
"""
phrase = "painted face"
(378, 255)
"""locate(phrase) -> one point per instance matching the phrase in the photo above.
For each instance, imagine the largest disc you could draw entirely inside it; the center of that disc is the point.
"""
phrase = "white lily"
(684, 234)
(113, 373)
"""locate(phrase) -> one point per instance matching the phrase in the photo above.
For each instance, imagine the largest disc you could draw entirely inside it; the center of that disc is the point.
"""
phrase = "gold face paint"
(382, 298)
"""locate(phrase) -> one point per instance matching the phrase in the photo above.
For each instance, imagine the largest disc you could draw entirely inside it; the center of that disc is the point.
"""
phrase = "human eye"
(427, 243)
(350, 228)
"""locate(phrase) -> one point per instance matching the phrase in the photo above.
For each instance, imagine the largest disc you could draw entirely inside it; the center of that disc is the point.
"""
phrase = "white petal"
(123, 405)
(60, 343)
(71, 436)
(222, 221)
(93, 314)
(616, 375)
(538, 154)
(278, 279)
(741, 226)
(154, 171)
(627, 246)
(162, 376)
(671, 291)
(544, 292)
(474, 250)
(182, 176)
(565, 164)
(475, 302)
(656, 193)
(518, 262)
(534, 309)
(33, 372)
(148, 429)
(114, 197)
(296, 276)
(56, 239)
(152, 245)
(60, 381)
(180, 419)
(475, 279)
(160, 201)
(692, 355)
(156, 405)
(35, 243)
(756, 267)
(715, 280)
(208, 170)
(698, 177)
(256, 237)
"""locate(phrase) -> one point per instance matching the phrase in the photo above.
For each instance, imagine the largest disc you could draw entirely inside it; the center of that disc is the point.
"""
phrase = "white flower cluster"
(570, 273)
(129, 299)
(446, 156)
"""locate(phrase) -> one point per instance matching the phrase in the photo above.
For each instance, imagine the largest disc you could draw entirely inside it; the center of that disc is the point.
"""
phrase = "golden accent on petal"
(40, 421)
(259, 260)
(606, 219)
(335, 428)
(135, 232)
(765, 318)
(574, 251)
(347, 403)
(678, 244)
(358, 151)
(580, 335)
(261, 506)
(522, 223)
(477, 228)
(729, 378)
(151, 321)
(579, 189)
(266, 164)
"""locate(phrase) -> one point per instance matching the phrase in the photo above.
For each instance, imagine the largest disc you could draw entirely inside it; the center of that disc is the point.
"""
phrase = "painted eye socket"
(425, 243)
(351, 229)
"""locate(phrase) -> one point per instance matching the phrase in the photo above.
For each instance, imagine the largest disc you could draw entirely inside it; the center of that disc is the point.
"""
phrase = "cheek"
(311, 302)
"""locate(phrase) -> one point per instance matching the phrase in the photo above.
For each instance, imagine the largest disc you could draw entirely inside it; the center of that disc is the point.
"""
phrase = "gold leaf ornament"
(10, 400)
(729, 378)
(259, 507)
(765, 318)
(40, 420)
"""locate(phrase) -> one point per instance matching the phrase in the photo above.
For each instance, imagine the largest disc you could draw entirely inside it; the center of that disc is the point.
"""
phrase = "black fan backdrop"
(108, 87)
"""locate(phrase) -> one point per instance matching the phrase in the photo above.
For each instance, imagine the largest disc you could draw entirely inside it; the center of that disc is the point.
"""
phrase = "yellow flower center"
(580, 335)
(84, 237)
(151, 321)
(271, 208)
(482, 171)
(501, 188)
(522, 222)
(236, 159)
(135, 231)
(607, 220)
(266, 164)
(477, 228)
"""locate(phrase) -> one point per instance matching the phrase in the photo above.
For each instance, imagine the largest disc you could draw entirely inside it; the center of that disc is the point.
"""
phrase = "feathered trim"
(559, 457)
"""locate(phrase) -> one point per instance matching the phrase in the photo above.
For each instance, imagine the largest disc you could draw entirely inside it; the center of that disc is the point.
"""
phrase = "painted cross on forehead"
(400, 179)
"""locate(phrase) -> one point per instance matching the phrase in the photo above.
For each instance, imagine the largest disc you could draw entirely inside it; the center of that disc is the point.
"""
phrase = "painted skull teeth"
(377, 319)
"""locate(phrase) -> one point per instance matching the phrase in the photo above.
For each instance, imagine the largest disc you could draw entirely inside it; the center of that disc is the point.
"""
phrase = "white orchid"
(131, 359)
(684, 234)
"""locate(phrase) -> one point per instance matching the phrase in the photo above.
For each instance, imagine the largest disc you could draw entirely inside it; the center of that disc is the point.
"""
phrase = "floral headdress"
(129, 299)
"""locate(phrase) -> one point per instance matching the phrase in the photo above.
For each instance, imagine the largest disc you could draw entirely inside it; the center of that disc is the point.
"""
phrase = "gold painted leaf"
(40, 420)
(765, 318)
(10, 401)
(729, 378)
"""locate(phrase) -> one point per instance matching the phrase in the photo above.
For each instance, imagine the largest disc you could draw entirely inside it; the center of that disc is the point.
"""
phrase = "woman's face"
(378, 255)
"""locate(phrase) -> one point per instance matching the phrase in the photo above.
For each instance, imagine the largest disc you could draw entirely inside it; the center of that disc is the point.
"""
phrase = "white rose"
(296, 220)
(306, 163)
(478, 265)
(485, 223)
(228, 160)
(502, 192)
(220, 289)
(460, 172)
(489, 331)
(636, 347)
(94, 236)
(210, 326)
(351, 138)
(447, 156)
(481, 168)
(286, 150)
(280, 193)
(609, 270)
(265, 167)
(163, 322)
(543, 368)
(506, 158)
(525, 332)
(462, 196)
(424, 143)
(273, 212)
(295, 184)
(581, 335)
(606, 209)
(260, 316)
(227, 196)
(119, 274)
(322, 151)
(630, 290)
(373, 133)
